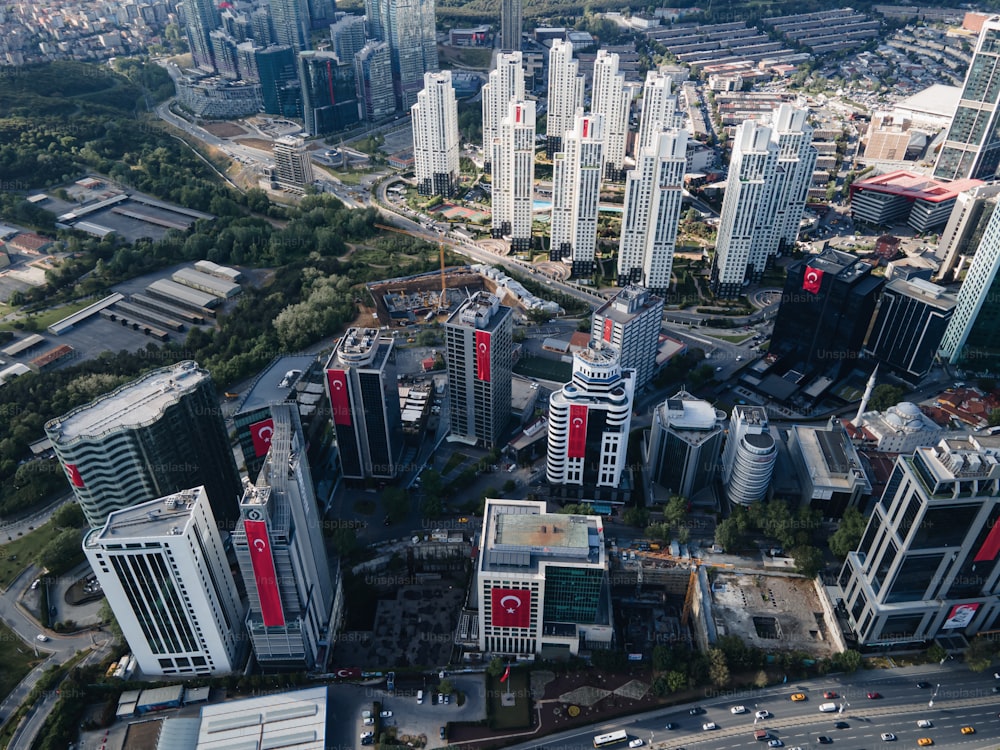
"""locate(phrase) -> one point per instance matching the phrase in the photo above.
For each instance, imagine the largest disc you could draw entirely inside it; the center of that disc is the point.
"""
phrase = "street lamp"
(930, 703)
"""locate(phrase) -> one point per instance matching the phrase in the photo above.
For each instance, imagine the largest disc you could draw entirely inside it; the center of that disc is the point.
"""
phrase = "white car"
(762, 714)
(925, 724)
(42, 637)
(366, 735)
(368, 721)
(738, 710)
(888, 737)
(386, 714)
(708, 726)
(636, 743)
(828, 708)
(775, 743)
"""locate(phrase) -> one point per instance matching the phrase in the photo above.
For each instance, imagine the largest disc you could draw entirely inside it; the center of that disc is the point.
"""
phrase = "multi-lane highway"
(958, 697)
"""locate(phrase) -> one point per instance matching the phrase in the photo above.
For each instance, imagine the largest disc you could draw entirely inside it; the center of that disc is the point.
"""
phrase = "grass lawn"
(17, 659)
(349, 178)
(47, 317)
(731, 339)
(454, 461)
(546, 369)
(517, 716)
(17, 554)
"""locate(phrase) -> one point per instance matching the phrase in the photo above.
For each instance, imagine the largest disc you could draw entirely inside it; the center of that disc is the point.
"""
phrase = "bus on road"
(612, 738)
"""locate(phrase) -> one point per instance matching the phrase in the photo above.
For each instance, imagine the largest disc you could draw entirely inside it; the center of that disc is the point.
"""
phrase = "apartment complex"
(435, 136)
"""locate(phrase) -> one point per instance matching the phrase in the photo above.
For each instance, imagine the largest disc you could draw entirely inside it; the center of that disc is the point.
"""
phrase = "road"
(963, 699)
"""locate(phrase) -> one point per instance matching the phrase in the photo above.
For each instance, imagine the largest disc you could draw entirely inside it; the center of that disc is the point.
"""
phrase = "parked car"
(386, 714)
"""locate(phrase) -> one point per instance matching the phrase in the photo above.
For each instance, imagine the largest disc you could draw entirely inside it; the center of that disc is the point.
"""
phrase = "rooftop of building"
(840, 263)
(518, 535)
(598, 353)
(959, 458)
(904, 417)
(682, 411)
(753, 415)
(360, 347)
(481, 311)
(629, 303)
(130, 406)
(913, 186)
(273, 385)
(939, 100)
(165, 516)
(829, 455)
(925, 291)
(288, 720)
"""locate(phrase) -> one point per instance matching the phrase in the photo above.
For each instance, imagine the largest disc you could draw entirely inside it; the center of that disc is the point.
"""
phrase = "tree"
(635, 516)
(884, 396)
(980, 653)
(69, 516)
(847, 537)
(727, 534)
(718, 669)
(849, 661)
(937, 652)
(63, 552)
(446, 687)
(396, 502)
(676, 681)
(674, 511)
(760, 680)
(808, 560)
(496, 667)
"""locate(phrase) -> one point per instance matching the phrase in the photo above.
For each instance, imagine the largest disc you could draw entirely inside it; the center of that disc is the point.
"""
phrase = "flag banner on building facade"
(263, 573)
(577, 447)
(511, 608)
(260, 433)
(340, 402)
(812, 280)
(483, 355)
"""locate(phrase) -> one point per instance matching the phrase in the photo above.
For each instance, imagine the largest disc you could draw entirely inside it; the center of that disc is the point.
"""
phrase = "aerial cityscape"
(417, 373)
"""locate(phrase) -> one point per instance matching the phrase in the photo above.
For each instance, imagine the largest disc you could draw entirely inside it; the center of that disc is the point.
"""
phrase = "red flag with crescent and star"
(577, 447)
(263, 573)
(260, 433)
(483, 356)
(812, 280)
(609, 329)
(74, 475)
(340, 401)
(511, 608)
(506, 674)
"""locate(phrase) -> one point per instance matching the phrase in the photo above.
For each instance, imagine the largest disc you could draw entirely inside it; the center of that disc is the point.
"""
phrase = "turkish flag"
(506, 675)
(812, 280)
(991, 545)
(586, 123)
(511, 608)
(609, 328)
(483, 355)
(261, 433)
(347, 674)
(74, 475)
(340, 400)
(577, 447)
(263, 573)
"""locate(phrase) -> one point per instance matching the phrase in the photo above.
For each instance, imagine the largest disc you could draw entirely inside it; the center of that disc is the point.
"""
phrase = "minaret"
(866, 397)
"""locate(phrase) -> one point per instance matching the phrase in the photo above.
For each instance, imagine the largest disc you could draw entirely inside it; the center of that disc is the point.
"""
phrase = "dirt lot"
(224, 129)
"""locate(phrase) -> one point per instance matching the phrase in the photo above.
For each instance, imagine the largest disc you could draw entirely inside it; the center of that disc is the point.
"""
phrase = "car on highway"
(738, 710)
(873, 695)
(763, 714)
(671, 725)
(968, 730)
(824, 740)
(709, 726)
(830, 694)
(828, 708)
(923, 685)
(798, 696)
(636, 743)
(841, 725)
(42, 637)
(925, 724)
(888, 737)
(697, 709)
(775, 743)
(925, 742)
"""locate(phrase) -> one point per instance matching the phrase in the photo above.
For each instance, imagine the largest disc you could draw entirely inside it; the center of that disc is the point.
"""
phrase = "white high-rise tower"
(435, 136)
(796, 162)
(744, 228)
(513, 157)
(653, 194)
(576, 190)
(566, 85)
(659, 109)
(609, 97)
(506, 82)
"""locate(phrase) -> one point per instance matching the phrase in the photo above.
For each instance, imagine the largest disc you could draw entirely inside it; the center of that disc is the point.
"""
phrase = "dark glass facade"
(572, 594)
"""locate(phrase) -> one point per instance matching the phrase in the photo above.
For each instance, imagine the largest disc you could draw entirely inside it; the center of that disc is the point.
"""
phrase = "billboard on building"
(960, 616)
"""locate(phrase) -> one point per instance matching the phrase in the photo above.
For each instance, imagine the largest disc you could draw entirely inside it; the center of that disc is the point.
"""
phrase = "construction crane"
(443, 299)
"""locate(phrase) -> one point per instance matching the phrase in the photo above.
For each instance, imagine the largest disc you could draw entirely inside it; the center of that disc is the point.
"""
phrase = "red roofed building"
(921, 201)
(968, 405)
(29, 243)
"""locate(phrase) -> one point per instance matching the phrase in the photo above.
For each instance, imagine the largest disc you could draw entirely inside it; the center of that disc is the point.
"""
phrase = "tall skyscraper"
(972, 338)
(373, 79)
(908, 327)
(659, 110)
(154, 436)
(514, 175)
(321, 13)
(609, 97)
(290, 19)
(964, 231)
(749, 456)
(435, 136)
(478, 341)
(246, 61)
(826, 309)
(796, 161)
(565, 95)
(348, 36)
(200, 19)
(576, 191)
(589, 420)
(282, 559)
(510, 25)
(364, 397)
(262, 27)
(279, 81)
(972, 147)
(224, 54)
(163, 568)
(744, 230)
(631, 321)
(685, 444)
(329, 96)
(506, 82)
(376, 23)
(927, 562)
(409, 28)
(654, 191)
(292, 165)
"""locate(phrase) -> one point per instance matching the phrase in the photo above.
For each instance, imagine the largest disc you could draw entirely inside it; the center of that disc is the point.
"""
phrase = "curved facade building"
(749, 456)
(589, 420)
(155, 436)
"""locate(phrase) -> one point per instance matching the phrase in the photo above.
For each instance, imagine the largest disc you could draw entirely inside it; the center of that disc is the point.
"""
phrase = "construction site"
(418, 299)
